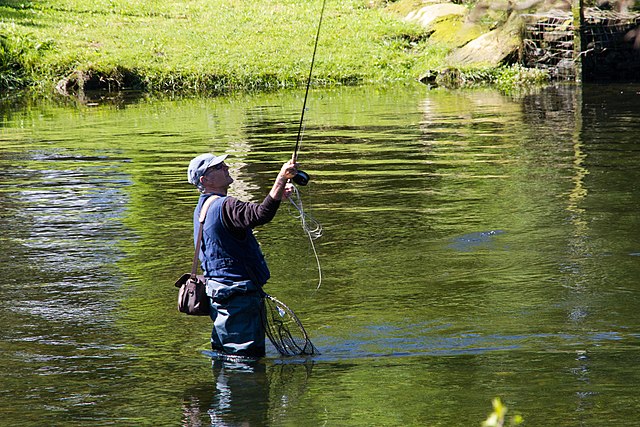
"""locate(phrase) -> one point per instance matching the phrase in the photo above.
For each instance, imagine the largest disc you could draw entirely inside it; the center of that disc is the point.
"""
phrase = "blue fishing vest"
(223, 257)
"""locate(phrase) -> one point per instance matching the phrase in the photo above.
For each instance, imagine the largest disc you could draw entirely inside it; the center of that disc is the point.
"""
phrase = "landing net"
(285, 330)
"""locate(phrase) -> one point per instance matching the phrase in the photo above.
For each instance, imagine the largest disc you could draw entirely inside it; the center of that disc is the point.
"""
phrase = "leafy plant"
(497, 417)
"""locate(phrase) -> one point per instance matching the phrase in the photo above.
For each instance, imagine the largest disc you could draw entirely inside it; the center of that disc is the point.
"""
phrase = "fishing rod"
(302, 178)
(312, 228)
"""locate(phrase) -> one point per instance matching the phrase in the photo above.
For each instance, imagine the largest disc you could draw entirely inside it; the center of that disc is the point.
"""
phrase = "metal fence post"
(577, 8)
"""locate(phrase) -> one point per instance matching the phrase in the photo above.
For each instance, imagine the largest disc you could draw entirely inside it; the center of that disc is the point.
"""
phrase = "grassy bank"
(204, 45)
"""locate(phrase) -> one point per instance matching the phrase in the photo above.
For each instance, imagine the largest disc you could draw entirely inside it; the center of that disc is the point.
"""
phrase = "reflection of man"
(240, 397)
(230, 255)
(247, 394)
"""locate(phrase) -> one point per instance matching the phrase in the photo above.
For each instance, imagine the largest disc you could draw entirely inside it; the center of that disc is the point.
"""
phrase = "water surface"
(475, 245)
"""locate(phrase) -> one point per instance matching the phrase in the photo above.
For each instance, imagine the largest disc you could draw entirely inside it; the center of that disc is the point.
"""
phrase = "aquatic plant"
(497, 417)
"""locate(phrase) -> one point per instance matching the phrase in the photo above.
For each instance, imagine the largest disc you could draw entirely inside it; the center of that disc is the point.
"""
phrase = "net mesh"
(284, 329)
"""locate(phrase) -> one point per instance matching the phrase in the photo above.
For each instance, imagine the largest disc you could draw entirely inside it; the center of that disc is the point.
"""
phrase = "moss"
(453, 31)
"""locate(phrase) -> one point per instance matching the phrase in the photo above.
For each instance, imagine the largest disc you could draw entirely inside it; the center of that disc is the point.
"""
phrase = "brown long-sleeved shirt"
(238, 216)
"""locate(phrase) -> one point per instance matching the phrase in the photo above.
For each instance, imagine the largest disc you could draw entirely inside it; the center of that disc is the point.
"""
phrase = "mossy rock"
(445, 22)
(497, 47)
(454, 31)
(427, 15)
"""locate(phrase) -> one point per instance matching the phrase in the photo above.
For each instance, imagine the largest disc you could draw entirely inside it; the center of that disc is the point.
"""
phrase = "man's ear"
(201, 179)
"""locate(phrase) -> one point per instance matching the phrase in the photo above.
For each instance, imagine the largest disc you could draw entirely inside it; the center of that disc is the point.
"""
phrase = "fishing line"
(282, 326)
(310, 225)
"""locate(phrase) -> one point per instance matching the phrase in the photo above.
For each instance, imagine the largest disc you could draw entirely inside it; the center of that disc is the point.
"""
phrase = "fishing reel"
(301, 178)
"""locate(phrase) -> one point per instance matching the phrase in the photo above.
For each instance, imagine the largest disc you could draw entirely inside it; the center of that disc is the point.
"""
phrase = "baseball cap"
(199, 165)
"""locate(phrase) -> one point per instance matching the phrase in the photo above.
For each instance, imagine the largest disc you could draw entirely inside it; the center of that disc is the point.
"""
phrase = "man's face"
(218, 175)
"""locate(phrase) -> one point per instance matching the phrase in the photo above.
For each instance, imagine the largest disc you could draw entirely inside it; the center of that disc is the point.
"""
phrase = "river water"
(475, 245)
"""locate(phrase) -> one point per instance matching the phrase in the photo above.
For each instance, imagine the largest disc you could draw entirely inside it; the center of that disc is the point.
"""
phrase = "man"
(230, 255)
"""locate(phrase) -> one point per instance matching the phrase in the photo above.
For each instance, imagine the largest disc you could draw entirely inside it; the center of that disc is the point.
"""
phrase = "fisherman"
(230, 256)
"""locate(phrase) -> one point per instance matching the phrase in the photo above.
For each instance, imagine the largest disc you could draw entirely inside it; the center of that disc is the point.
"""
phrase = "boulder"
(428, 14)
(453, 31)
(494, 48)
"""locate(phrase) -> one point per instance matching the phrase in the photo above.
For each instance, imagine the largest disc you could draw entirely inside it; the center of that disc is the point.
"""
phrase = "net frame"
(284, 329)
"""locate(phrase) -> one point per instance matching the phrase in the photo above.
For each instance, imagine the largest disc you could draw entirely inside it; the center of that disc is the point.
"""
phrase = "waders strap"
(203, 215)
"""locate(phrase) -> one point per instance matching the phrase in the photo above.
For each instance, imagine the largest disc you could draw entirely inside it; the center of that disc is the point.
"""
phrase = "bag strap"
(203, 215)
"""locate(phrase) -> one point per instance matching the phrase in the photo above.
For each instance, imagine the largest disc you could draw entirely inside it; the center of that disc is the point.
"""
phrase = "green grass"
(205, 45)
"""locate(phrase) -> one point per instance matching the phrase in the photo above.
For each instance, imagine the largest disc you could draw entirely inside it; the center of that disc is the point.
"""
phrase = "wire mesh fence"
(610, 47)
(548, 43)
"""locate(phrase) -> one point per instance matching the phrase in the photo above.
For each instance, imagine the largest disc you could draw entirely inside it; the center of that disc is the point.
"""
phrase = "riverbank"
(203, 46)
(209, 46)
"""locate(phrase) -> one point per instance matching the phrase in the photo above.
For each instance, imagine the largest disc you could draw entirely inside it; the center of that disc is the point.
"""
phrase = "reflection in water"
(476, 240)
(246, 394)
(580, 251)
(569, 109)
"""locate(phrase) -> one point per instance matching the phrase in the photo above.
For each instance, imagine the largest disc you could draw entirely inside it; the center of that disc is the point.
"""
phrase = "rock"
(490, 49)
(427, 14)
(453, 31)
(429, 77)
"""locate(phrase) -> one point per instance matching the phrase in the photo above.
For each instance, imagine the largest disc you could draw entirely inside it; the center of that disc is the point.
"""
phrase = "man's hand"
(288, 190)
(289, 170)
(281, 188)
